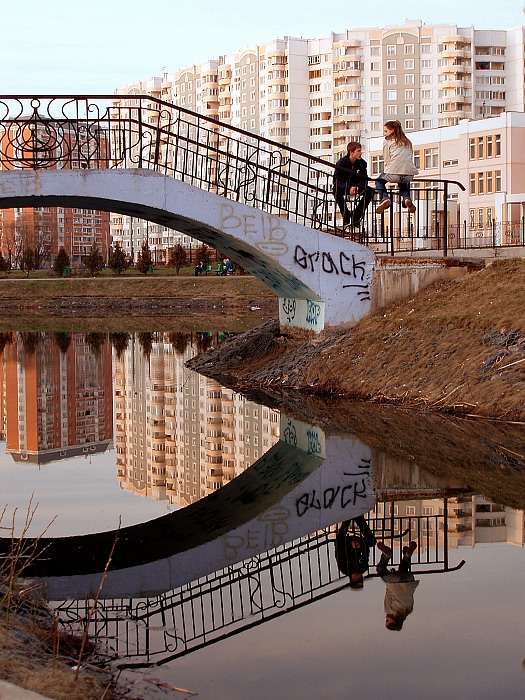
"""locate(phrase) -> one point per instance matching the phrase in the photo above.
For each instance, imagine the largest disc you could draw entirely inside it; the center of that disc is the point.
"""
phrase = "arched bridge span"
(321, 280)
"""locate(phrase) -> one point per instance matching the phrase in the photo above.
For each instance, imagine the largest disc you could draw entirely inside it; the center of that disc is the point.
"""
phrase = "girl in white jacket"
(398, 166)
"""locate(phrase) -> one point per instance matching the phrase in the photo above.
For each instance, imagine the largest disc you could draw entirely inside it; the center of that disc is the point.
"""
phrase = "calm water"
(225, 567)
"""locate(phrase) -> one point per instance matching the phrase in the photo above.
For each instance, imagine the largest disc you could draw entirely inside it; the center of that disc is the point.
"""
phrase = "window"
(497, 176)
(426, 124)
(481, 148)
(391, 79)
(409, 124)
(375, 96)
(472, 181)
(481, 183)
(489, 182)
(377, 164)
(472, 149)
(409, 95)
(425, 48)
(489, 146)
(417, 159)
(409, 109)
(409, 64)
(426, 94)
(375, 51)
(375, 65)
(490, 218)
(497, 140)
(472, 219)
(426, 78)
(391, 65)
(391, 94)
(431, 157)
(409, 49)
(391, 110)
(426, 63)
(391, 50)
(481, 218)
(375, 81)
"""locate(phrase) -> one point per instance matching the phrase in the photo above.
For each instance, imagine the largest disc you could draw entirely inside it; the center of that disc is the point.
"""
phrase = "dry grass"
(457, 346)
(35, 653)
(31, 291)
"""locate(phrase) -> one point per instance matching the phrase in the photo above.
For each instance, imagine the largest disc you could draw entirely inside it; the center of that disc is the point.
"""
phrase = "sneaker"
(383, 205)
(384, 549)
(409, 204)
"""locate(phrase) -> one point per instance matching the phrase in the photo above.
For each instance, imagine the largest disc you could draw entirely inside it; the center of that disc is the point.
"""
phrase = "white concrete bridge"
(320, 279)
(268, 207)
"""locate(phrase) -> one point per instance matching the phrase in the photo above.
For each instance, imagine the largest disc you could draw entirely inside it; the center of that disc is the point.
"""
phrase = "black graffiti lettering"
(329, 496)
(344, 496)
(315, 502)
(358, 266)
(313, 257)
(344, 500)
(360, 493)
(342, 258)
(328, 264)
(301, 505)
(302, 260)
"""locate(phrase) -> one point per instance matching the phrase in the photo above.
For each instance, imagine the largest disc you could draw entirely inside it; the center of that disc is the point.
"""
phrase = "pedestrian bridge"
(268, 207)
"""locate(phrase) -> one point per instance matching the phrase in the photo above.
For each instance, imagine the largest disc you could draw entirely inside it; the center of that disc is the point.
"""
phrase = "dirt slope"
(457, 346)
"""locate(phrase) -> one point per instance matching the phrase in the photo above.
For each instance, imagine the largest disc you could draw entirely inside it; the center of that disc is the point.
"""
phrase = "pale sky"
(93, 47)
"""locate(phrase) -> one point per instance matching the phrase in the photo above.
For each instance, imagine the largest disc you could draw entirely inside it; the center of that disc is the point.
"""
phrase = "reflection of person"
(352, 549)
(350, 179)
(400, 585)
(398, 166)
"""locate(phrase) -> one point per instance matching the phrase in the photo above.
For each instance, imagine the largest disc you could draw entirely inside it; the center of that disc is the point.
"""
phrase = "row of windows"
(481, 218)
(486, 182)
(481, 147)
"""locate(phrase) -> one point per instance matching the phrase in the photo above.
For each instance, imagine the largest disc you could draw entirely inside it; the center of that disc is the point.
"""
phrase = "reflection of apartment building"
(470, 520)
(46, 229)
(57, 404)
(180, 436)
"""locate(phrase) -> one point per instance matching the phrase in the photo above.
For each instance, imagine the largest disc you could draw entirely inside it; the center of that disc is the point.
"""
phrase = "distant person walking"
(399, 167)
(351, 180)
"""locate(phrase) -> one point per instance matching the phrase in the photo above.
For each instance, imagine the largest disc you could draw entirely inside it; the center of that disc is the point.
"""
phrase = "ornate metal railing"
(137, 131)
(155, 630)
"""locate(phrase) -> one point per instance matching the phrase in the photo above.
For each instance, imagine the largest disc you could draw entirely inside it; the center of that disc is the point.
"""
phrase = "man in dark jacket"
(352, 549)
(350, 179)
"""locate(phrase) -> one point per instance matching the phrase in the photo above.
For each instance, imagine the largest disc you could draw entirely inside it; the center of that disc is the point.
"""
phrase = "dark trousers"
(361, 201)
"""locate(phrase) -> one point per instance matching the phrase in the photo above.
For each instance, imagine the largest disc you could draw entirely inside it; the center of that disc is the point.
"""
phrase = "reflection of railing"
(135, 131)
(242, 596)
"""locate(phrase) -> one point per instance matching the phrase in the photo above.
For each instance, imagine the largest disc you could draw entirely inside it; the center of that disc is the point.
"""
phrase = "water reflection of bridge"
(158, 629)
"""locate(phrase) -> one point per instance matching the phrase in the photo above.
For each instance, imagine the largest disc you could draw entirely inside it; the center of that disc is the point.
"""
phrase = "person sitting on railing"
(398, 156)
(350, 180)
(400, 585)
(352, 550)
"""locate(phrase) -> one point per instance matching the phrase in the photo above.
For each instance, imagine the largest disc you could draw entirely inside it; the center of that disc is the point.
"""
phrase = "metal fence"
(134, 131)
(158, 629)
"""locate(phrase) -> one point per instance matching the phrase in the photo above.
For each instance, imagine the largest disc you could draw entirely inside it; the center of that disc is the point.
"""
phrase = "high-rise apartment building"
(46, 229)
(316, 95)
